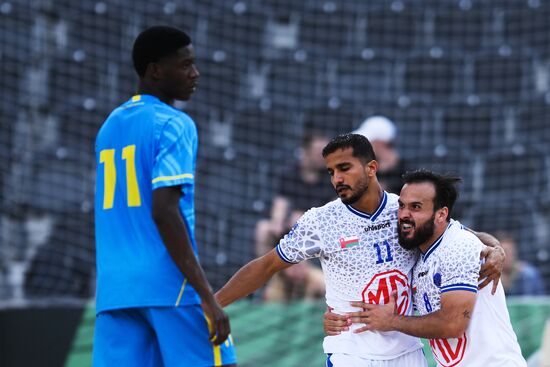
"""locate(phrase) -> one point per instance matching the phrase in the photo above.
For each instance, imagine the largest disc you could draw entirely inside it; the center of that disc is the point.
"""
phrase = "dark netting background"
(466, 82)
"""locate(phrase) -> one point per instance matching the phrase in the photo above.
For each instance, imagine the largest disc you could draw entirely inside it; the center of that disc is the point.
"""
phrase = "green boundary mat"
(290, 335)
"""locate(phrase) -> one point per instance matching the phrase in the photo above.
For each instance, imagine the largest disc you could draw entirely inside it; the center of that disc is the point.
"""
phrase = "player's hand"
(334, 324)
(375, 317)
(219, 327)
(492, 268)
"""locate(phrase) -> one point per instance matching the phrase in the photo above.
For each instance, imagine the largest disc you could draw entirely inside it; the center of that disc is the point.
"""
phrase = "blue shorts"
(157, 336)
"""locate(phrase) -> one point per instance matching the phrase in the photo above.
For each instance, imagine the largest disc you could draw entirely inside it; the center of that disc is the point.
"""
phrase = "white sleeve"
(460, 269)
(303, 241)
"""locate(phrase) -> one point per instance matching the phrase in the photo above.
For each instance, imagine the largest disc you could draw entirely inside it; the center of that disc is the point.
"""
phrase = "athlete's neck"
(370, 201)
(146, 88)
(438, 232)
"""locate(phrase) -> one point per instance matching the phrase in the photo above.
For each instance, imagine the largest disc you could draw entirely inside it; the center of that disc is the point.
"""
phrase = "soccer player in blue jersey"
(150, 284)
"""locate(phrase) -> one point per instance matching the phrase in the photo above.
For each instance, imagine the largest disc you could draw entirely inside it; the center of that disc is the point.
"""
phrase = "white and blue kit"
(361, 260)
(451, 264)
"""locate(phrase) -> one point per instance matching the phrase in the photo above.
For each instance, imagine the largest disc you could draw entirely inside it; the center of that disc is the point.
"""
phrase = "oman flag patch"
(348, 242)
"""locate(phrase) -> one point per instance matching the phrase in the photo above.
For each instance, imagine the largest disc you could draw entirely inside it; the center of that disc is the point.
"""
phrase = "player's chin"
(346, 199)
(407, 241)
(342, 195)
(407, 245)
(406, 233)
(184, 96)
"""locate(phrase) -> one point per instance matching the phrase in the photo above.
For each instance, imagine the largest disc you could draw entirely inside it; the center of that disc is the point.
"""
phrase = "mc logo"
(380, 287)
(449, 352)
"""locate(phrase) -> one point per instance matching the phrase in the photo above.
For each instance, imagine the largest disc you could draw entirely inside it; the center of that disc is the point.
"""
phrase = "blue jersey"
(143, 145)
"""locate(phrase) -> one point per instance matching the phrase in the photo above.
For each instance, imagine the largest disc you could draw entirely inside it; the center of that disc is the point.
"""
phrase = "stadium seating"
(335, 26)
(511, 166)
(16, 21)
(533, 121)
(79, 74)
(423, 73)
(69, 248)
(293, 84)
(460, 30)
(454, 157)
(338, 118)
(376, 27)
(219, 82)
(518, 218)
(236, 29)
(253, 129)
(466, 83)
(358, 78)
(6, 134)
(503, 78)
(526, 25)
(478, 127)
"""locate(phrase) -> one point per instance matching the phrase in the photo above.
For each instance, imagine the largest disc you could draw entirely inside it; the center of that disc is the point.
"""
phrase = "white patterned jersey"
(361, 260)
(452, 263)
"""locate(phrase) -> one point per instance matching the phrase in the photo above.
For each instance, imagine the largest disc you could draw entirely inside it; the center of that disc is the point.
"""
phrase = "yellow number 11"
(107, 157)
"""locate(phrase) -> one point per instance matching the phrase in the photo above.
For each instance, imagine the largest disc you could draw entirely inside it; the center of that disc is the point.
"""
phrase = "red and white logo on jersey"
(449, 352)
(380, 287)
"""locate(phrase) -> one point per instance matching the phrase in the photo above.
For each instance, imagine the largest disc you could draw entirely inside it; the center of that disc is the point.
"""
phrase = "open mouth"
(406, 227)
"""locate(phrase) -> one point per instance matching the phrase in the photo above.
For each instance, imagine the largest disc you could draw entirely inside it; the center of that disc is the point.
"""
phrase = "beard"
(422, 234)
(357, 194)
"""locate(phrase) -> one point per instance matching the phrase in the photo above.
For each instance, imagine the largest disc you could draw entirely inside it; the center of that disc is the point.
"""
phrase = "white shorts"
(413, 359)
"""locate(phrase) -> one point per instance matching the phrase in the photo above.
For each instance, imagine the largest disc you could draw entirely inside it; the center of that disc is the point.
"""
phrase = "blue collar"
(376, 213)
(434, 245)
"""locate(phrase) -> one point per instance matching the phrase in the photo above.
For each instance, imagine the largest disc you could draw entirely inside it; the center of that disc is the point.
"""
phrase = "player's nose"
(403, 213)
(195, 74)
(338, 178)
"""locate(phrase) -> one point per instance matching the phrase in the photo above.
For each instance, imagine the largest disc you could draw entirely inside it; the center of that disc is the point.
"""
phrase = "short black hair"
(445, 187)
(155, 43)
(361, 146)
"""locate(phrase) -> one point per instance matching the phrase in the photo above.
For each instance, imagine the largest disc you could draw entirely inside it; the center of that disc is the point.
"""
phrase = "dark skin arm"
(172, 229)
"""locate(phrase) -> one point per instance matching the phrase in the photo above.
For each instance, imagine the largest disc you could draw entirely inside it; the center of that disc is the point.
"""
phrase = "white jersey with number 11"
(361, 260)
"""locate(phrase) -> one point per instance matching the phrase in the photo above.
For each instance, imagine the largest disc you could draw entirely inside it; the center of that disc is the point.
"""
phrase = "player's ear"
(154, 70)
(372, 168)
(442, 214)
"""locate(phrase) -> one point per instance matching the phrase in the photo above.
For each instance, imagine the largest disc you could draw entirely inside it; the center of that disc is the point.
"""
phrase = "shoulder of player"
(333, 206)
(392, 198)
(166, 116)
(165, 112)
(392, 201)
(459, 240)
(323, 211)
